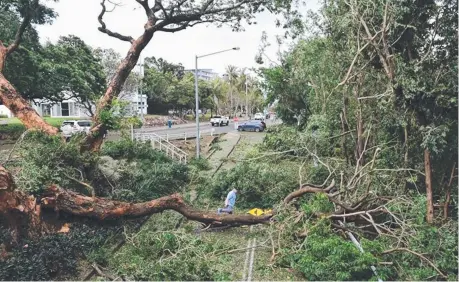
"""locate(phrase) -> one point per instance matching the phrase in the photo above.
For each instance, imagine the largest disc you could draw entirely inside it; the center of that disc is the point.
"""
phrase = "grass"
(14, 128)
(54, 121)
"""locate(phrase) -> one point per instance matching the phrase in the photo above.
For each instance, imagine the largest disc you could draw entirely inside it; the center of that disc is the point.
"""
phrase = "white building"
(137, 103)
(73, 109)
(204, 74)
(67, 108)
(4, 111)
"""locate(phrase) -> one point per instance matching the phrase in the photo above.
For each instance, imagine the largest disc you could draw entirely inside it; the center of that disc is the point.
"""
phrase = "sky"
(79, 17)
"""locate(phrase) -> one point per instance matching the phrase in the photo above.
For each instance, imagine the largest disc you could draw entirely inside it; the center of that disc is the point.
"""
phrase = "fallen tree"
(62, 200)
(102, 209)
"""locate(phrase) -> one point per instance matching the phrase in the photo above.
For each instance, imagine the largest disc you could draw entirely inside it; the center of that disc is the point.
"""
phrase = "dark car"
(259, 122)
(251, 126)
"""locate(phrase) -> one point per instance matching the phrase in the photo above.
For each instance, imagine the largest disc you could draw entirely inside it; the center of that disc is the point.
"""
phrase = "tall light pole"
(196, 93)
(246, 101)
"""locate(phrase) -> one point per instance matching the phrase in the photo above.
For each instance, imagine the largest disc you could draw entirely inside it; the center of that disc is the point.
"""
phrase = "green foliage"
(334, 259)
(259, 184)
(200, 164)
(169, 255)
(47, 160)
(56, 256)
(11, 131)
(133, 150)
(148, 173)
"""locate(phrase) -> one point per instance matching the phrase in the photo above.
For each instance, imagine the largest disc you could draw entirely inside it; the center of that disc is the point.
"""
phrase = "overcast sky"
(79, 17)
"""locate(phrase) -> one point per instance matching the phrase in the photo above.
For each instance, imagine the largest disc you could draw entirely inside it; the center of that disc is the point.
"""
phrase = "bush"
(259, 185)
(133, 150)
(46, 160)
(11, 131)
(54, 256)
(170, 256)
(148, 173)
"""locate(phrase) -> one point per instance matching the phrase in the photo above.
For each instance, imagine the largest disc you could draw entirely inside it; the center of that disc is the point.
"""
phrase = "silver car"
(70, 127)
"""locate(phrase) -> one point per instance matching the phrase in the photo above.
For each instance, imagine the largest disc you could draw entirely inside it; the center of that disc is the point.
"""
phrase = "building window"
(65, 109)
(46, 110)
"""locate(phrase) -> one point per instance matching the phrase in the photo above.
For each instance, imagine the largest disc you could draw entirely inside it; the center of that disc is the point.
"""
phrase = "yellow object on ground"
(256, 212)
(270, 211)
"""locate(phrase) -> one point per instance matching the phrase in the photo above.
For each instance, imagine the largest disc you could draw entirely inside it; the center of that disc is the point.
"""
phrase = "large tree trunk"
(17, 210)
(448, 192)
(429, 193)
(13, 202)
(102, 209)
(22, 109)
(95, 139)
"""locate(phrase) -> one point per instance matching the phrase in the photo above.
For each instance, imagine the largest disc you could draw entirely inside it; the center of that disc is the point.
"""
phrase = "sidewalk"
(230, 140)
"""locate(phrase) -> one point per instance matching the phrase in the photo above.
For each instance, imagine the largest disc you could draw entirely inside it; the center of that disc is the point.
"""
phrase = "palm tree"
(232, 73)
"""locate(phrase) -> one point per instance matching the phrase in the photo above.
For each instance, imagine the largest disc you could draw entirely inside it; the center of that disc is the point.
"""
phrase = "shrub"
(54, 256)
(148, 173)
(259, 184)
(133, 150)
(46, 160)
(158, 253)
(11, 131)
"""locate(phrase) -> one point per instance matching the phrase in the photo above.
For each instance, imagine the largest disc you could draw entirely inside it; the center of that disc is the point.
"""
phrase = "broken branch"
(418, 255)
(100, 208)
(103, 27)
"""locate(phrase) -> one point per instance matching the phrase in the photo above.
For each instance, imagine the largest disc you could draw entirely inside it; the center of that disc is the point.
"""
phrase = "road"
(189, 129)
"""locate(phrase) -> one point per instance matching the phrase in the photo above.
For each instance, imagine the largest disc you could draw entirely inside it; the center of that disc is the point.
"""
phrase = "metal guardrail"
(178, 136)
(162, 144)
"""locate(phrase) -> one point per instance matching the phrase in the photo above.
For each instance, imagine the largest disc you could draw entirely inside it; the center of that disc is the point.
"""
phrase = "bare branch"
(103, 27)
(308, 189)
(418, 255)
(18, 37)
(144, 4)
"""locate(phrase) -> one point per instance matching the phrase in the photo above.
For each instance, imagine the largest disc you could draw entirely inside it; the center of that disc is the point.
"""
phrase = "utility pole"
(197, 105)
(197, 94)
(246, 101)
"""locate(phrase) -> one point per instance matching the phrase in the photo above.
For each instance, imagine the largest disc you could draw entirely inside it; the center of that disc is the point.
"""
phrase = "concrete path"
(227, 144)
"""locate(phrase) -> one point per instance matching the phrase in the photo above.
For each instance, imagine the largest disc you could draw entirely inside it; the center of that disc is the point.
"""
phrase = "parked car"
(219, 120)
(259, 122)
(251, 126)
(70, 127)
(259, 116)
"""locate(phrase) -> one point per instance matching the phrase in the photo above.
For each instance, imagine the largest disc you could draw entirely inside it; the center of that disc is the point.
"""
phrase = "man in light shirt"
(229, 203)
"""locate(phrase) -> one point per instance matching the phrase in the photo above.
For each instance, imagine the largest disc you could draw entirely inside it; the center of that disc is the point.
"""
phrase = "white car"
(219, 120)
(70, 127)
(259, 116)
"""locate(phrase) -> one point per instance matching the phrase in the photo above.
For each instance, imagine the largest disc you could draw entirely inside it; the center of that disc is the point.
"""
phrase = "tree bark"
(22, 109)
(428, 180)
(99, 208)
(94, 140)
(448, 192)
(308, 188)
(360, 140)
(17, 210)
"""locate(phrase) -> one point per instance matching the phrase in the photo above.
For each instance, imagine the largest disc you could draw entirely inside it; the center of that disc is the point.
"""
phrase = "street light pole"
(197, 105)
(246, 101)
(198, 135)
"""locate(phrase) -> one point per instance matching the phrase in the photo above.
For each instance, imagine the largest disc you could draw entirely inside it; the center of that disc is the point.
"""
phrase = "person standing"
(230, 201)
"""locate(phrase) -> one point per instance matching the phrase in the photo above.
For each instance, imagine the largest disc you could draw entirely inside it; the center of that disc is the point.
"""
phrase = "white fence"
(177, 136)
(158, 142)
